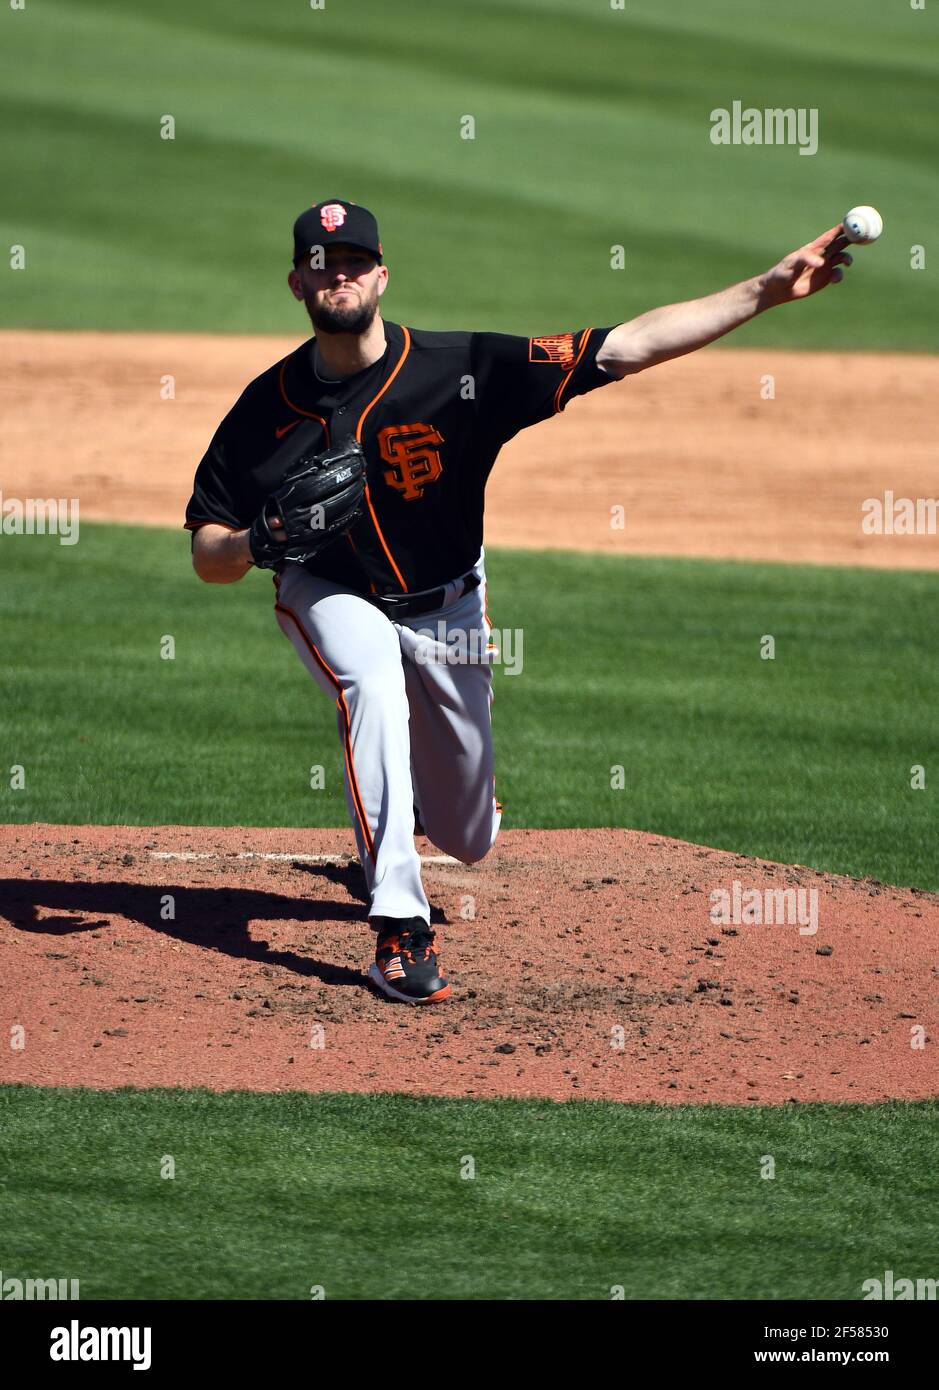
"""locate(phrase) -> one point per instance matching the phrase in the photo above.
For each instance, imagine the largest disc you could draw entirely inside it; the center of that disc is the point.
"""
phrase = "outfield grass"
(592, 131)
(648, 664)
(363, 1196)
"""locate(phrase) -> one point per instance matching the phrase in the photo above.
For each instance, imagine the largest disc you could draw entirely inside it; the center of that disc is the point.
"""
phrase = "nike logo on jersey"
(279, 433)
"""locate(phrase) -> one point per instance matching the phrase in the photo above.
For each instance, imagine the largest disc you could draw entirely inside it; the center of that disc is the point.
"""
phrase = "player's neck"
(338, 355)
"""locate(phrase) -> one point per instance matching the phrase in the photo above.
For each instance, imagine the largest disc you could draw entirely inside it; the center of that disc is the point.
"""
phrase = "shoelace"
(421, 940)
(413, 945)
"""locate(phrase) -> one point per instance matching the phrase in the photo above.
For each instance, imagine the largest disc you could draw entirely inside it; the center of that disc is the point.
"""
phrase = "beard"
(353, 316)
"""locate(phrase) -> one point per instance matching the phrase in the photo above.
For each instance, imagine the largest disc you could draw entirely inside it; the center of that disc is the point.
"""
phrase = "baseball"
(863, 225)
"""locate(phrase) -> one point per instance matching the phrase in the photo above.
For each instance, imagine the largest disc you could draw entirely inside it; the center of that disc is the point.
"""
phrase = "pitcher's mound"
(602, 964)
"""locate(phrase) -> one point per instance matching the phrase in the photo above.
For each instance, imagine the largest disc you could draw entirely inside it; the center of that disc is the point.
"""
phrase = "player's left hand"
(806, 271)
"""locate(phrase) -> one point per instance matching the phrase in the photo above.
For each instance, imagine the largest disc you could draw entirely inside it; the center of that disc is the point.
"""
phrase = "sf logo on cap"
(332, 216)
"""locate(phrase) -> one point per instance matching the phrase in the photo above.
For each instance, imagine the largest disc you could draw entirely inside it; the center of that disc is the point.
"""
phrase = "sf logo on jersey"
(414, 455)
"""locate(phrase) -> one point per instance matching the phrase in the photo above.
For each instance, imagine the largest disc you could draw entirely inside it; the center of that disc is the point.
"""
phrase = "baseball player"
(355, 470)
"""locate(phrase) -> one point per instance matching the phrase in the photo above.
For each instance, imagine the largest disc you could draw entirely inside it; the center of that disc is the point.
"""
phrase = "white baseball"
(863, 225)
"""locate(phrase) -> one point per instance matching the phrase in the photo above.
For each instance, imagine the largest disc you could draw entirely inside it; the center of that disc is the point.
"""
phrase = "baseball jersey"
(431, 414)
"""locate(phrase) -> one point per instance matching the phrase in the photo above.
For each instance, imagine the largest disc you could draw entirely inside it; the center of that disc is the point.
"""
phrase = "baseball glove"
(319, 499)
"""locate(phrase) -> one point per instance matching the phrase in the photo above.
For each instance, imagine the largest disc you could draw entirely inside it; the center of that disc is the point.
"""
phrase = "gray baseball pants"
(413, 702)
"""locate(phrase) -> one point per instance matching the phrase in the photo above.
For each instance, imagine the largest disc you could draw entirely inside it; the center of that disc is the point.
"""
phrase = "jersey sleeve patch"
(556, 349)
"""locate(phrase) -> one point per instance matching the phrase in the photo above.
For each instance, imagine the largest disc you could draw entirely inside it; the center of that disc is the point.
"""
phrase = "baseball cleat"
(406, 965)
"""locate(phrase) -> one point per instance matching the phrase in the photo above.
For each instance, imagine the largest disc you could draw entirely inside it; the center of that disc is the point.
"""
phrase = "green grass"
(592, 131)
(363, 1196)
(648, 664)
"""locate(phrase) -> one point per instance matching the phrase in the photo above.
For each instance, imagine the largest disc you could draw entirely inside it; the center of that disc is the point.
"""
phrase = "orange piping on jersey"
(195, 525)
(310, 414)
(375, 399)
(347, 725)
(560, 391)
(399, 576)
(490, 646)
(358, 434)
(371, 582)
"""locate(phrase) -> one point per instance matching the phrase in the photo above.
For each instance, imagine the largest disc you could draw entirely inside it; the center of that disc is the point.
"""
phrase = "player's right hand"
(819, 263)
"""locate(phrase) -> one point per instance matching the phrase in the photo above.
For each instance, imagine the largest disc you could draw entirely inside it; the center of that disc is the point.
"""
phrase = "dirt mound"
(742, 453)
(234, 958)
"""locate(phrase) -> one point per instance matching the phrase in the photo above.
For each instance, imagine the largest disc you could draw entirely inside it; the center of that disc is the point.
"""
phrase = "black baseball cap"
(335, 222)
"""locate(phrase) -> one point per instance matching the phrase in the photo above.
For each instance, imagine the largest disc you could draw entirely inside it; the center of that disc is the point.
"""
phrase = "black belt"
(410, 605)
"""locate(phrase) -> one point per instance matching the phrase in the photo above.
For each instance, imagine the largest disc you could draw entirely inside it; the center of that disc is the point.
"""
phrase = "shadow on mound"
(215, 919)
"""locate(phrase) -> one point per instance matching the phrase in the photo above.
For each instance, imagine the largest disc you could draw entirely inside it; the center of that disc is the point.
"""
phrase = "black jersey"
(431, 414)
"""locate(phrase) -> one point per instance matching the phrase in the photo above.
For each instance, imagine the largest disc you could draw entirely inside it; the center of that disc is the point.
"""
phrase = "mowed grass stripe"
(567, 101)
(363, 1196)
(651, 665)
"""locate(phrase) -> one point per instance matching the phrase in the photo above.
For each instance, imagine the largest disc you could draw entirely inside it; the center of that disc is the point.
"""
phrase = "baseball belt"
(411, 605)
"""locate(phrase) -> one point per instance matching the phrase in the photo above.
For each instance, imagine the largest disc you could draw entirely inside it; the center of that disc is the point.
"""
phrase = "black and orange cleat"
(406, 966)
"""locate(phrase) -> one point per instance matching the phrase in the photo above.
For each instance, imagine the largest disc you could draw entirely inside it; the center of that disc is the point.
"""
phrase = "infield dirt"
(699, 457)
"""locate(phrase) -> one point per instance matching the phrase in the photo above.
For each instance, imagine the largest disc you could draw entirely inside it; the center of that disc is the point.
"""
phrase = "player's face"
(343, 296)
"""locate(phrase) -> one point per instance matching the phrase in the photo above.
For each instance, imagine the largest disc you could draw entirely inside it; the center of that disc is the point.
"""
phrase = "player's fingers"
(835, 246)
(843, 258)
(826, 238)
(837, 275)
(795, 265)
